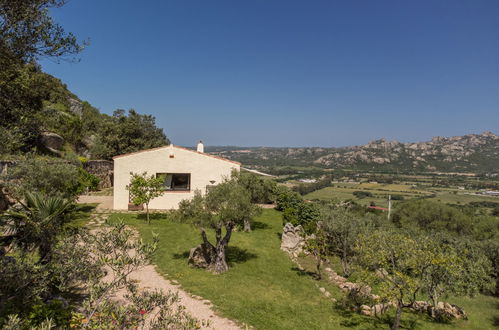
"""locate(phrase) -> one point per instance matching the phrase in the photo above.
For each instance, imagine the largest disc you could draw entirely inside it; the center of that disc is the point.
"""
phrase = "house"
(184, 171)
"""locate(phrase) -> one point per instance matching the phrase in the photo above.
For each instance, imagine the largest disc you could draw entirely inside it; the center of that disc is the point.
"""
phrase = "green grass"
(264, 289)
(82, 214)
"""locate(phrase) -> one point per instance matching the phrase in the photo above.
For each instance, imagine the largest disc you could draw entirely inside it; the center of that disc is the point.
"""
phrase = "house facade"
(183, 170)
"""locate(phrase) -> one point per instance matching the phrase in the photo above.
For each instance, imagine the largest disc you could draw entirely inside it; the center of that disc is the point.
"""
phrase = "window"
(176, 181)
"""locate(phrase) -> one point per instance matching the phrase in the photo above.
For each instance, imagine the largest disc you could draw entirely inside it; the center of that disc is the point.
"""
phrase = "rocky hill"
(39, 114)
(468, 153)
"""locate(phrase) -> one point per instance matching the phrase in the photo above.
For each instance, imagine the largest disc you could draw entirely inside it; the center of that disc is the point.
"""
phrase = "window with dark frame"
(176, 181)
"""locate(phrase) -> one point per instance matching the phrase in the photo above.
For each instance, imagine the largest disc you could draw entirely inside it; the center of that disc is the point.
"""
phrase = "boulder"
(76, 107)
(445, 312)
(52, 141)
(293, 239)
(366, 310)
(379, 309)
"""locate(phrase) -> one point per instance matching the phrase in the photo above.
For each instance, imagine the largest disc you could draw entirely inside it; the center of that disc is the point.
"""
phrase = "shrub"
(49, 176)
(362, 194)
(287, 199)
(87, 180)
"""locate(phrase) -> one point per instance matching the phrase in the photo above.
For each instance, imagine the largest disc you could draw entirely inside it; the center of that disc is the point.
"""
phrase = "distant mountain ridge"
(477, 153)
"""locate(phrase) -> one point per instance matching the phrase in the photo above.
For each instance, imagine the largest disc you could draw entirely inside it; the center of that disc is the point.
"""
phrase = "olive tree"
(224, 207)
(82, 259)
(230, 205)
(342, 228)
(402, 266)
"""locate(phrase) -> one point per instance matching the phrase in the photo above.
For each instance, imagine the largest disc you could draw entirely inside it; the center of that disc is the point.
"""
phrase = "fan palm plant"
(35, 223)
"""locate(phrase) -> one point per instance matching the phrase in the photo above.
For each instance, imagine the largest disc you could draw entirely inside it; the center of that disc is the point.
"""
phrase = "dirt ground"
(105, 202)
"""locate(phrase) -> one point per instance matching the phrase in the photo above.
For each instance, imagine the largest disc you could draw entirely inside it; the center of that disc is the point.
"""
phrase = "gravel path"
(149, 278)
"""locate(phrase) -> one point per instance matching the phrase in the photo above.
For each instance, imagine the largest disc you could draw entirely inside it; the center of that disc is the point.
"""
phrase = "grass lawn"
(264, 289)
(82, 214)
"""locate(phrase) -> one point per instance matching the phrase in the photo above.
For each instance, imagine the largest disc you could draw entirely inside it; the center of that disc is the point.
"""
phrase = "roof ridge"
(179, 147)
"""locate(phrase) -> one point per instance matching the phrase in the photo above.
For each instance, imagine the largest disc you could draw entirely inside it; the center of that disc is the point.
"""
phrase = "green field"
(265, 290)
(380, 192)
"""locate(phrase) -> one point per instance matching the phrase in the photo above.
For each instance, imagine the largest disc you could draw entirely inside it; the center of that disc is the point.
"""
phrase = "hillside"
(468, 153)
(39, 114)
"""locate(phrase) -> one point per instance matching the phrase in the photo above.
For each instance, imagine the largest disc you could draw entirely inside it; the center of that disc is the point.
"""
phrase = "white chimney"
(200, 146)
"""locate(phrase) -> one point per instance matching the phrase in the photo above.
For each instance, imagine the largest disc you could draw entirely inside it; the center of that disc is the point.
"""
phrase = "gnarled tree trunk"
(247, 225)
(219, 264)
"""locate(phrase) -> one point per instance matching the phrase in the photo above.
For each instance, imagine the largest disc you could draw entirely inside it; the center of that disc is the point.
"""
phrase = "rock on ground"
(293, 239)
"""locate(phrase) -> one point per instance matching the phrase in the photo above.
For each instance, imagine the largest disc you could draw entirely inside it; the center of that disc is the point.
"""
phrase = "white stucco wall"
(202, 167)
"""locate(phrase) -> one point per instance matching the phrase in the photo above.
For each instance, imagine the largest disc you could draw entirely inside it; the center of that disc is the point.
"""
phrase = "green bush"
(53, 310)
(295, 210)
(287, 199)
(362, 194)
(87, 180)
(49, 176)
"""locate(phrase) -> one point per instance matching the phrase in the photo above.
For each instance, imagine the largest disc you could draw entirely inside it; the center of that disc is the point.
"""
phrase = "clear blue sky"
(290, 73)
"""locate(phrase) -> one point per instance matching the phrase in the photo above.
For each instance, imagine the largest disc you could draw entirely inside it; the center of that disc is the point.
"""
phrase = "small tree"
(144, 188)
(231, 205)
(317, 245)
(342, 228)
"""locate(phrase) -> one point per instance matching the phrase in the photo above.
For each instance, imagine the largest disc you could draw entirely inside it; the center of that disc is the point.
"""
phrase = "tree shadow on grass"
(86, 208)
(354, 319)
(255, 225)
(152, 216)
(302, 272)
(233, 254)
(183, 255)
(237, 255)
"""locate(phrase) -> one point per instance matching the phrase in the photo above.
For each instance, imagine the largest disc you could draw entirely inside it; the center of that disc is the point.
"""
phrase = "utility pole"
(389, 206)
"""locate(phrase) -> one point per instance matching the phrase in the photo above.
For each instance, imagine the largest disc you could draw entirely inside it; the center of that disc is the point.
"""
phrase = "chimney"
(200, 146)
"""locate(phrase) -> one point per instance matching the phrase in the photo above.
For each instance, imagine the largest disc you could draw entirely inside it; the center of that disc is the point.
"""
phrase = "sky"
(290, 73)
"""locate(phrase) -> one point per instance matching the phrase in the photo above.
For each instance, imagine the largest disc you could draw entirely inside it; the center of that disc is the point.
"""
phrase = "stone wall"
(103, 169)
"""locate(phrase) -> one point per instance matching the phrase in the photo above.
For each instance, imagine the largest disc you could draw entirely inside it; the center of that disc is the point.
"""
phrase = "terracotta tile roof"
(174, 146)
(377, 208)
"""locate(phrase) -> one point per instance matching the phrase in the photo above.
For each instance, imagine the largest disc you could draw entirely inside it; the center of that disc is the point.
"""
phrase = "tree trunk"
(45, 251)
(147, 213)
(208, 249)
(219, 265)
(345, 267)
(396, 321)
(318, 265)
(247, 225)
